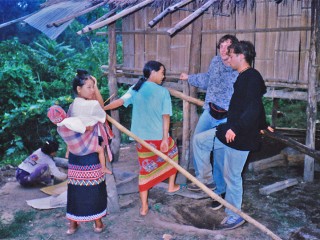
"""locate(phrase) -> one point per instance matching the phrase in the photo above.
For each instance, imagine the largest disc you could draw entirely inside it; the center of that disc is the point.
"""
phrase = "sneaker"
(211, 186)
(231, 223)
(195, 188)
(215, 205)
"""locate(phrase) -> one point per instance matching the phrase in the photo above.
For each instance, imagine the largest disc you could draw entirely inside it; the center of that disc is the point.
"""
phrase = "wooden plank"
(245, 19)
(278, 186)
(274, 161)
(179, 53)
(163, 50)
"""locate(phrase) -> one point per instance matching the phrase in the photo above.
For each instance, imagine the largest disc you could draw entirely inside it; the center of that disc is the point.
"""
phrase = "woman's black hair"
(147, 69)
(80, 79)
(50, 147)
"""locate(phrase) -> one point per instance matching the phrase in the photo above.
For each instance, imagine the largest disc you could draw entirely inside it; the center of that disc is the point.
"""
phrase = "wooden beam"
(190, 18)
(278, 186)
(210, 32)
(167, 11)
(107, 15)
(16, 20)
(114, 18)
(274, 161)
(70, 17)
(294, 144)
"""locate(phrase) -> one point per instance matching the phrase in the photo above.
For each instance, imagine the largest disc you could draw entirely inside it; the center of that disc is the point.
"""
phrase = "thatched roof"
(55, 10)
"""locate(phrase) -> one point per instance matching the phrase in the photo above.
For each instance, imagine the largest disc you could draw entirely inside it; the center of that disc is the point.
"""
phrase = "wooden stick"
(70, 17)
(182, 96)
(108, 98)
(193, 179)
(114, 18)
(190, 18)
(278, 186)
(168, 10)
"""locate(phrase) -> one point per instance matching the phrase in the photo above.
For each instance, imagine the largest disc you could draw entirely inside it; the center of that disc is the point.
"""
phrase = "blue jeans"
(202, 144)
(227, 174)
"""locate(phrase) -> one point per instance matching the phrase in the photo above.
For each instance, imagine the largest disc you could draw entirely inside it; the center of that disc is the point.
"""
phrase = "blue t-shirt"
(149, 104)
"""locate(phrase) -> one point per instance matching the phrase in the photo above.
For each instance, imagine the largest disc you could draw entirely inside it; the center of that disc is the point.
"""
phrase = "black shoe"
(215, 205)
(194, 187)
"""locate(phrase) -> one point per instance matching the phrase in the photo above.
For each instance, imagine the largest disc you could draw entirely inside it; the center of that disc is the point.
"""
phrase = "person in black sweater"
(241, 133)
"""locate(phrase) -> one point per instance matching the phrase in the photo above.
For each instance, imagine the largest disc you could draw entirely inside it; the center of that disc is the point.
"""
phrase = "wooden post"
(190, 117)
(308, 175)
(194, 67)
(113, 88)
(184, 159)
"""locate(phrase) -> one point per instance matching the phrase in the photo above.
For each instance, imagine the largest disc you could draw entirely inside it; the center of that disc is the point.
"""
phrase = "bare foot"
(144, 211)
(106, 170)
(73, 227)
(175, 188)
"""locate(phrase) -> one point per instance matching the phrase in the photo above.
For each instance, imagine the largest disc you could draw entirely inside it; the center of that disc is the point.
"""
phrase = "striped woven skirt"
(87, 194)
(154, 169)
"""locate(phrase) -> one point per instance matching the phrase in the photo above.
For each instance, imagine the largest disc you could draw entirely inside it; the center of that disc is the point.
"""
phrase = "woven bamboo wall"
(282, 55)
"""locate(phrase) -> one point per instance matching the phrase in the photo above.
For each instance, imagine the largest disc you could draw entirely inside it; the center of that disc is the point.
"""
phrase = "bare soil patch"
(293, 213)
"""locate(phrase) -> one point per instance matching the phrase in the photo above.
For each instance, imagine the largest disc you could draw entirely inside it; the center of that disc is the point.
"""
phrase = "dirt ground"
(292, 213)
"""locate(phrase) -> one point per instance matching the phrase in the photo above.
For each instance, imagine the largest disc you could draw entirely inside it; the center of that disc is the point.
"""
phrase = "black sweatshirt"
(246, 115)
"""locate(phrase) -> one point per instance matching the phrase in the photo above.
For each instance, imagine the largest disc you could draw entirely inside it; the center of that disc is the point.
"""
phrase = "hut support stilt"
(113, 88)
(308, 175)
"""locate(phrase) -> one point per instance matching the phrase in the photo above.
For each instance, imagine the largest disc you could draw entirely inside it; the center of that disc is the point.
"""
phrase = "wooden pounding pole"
(193, 179)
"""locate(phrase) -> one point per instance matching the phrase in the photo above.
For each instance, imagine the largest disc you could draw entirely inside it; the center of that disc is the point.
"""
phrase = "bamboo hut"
(182, 34)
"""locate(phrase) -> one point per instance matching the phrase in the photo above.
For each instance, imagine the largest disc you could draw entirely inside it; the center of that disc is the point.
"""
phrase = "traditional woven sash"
(84, 143)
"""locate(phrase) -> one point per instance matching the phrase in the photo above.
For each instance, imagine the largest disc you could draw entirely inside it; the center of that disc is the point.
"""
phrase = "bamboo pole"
(190, 18)
(167, 11)
(182, 96)
(107, 15)
(114, 18)
(193, 179)
(68, 18)
(16, 20)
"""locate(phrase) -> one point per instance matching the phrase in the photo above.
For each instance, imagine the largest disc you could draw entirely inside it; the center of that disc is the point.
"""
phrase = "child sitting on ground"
(77, 124)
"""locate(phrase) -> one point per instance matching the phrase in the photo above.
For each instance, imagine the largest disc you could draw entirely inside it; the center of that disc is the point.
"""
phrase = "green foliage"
(19, 226)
